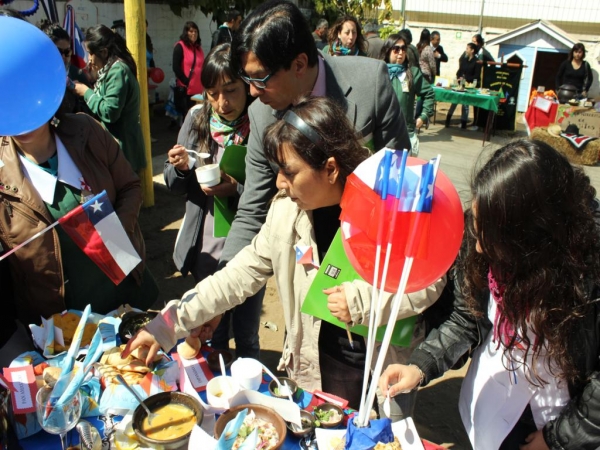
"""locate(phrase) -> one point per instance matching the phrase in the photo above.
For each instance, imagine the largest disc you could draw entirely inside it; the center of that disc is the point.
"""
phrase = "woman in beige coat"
(316, 149)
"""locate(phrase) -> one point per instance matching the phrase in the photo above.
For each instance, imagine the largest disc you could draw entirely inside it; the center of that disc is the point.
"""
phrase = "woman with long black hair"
(115, 99)
(188, 58)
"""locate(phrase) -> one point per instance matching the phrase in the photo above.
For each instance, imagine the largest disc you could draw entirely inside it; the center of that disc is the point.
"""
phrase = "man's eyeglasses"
(260, 83)
(397, 48)
(65, 51)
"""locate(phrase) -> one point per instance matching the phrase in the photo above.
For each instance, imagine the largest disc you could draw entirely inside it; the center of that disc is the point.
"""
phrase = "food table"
(46, 441)
(473, 98)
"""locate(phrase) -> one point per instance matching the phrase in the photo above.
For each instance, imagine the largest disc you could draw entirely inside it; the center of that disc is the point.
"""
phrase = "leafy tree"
(363, 10)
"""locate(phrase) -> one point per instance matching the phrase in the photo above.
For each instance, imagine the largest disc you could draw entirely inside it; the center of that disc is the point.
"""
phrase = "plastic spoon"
(151, 415)
(200, 155)
(279, 385)
(386, 405)
(289, 394)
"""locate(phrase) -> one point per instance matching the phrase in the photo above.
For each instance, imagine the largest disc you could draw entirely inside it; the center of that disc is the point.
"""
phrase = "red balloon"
(156, 74)
(441, 233)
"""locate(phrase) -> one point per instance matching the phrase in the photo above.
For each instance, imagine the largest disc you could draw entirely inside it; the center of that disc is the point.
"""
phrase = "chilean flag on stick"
(79, 58)
(96, 229)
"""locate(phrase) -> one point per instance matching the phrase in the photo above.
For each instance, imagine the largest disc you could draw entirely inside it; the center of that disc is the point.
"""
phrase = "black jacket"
(468, 68)
(459, 332)
(443, 58)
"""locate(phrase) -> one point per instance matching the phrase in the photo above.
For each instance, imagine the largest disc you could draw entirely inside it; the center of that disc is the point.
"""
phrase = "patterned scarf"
(339, 50)
(227, 133)
(395, 70)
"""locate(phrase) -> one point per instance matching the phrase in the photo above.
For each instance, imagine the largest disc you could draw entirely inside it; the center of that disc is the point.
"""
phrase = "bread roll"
(51, 374)
(189, 348)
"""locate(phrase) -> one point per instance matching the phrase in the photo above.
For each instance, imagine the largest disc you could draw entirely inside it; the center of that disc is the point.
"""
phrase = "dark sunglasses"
(65, 51)
(397, 48)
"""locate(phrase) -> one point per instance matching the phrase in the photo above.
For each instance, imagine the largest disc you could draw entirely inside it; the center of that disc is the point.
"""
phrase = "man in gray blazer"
(274, 52)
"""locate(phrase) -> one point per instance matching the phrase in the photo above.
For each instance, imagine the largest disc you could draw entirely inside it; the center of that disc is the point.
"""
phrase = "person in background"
(373, 40)
(408, 81)
(413, 53)
(467, 70)
(115, 99)
(575, 70)
(526, 307)
(428, 68)
(188, 58)
(149, 50)
(345, 38)
(225, 32)
(211, 126)
(320, 33)
(315, 147)
(482, 53)
(71, 102)
(278, 75)
(438, 51)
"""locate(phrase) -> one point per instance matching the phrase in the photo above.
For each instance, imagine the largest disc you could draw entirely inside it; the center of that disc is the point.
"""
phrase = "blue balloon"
(32, 77)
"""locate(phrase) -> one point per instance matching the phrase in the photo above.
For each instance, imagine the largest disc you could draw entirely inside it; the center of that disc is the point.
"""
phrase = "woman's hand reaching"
(142, 339)
(399, 379)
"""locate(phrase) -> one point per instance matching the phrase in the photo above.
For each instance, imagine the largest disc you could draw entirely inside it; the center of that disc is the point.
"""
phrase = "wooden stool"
(587, 156)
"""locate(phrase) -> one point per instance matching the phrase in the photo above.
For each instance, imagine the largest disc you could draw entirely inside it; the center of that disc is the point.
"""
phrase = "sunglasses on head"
(397, 48)
(65, 51)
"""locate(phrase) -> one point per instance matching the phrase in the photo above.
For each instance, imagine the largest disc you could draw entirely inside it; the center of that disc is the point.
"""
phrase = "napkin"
(379, 430)
(229, 434)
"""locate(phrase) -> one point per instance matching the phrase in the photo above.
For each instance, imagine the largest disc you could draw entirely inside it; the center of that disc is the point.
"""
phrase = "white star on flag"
(97, 206)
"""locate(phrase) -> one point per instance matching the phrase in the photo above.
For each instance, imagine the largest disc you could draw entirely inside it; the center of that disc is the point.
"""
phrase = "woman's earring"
(54, 122)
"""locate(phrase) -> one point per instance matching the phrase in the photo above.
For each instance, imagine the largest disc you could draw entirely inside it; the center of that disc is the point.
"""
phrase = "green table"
(488, 102)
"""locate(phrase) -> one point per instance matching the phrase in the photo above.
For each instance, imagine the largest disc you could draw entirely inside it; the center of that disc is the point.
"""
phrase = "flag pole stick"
(375, 316)
(35, 236)
(387, 163)
(397, 300)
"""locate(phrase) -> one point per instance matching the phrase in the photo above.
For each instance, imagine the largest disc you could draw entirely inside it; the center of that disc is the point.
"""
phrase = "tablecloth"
(488, 102)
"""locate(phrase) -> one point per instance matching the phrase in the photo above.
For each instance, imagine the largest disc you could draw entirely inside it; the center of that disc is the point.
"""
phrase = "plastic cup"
(220, 390)
(209, 175)
(247, 372)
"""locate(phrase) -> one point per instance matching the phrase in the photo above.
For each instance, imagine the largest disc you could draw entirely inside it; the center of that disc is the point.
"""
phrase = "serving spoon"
(151, 415)
(386, 405)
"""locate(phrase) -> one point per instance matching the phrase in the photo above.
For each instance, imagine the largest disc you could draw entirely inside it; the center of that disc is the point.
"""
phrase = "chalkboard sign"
(505, 80)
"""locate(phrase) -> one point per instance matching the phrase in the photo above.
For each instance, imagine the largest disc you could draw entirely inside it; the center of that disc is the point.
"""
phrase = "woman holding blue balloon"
(115, 99)
(49, 164)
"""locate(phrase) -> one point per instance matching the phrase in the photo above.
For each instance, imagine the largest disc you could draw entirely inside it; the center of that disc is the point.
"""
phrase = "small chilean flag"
(96, 229)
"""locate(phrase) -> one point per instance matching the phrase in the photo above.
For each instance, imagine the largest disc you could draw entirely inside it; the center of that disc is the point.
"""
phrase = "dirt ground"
(436, 416)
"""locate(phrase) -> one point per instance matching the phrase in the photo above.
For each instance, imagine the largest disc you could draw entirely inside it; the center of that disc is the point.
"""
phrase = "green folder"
(232, 163)
(334, 270)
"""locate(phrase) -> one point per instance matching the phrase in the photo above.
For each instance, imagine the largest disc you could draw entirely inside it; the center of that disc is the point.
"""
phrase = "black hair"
(276, 32)
(480, 40)
(386, 49)
(55, 32)
(534, 217)
(434, 33)
(216, 68)
(189, 25)
(101, 37)
(338, 137)
(473, 46)
(232, 15)
(408, 34)
(425, 40)
(578, 46)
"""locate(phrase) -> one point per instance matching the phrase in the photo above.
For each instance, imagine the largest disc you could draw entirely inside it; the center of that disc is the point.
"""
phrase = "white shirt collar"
(45, 183)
